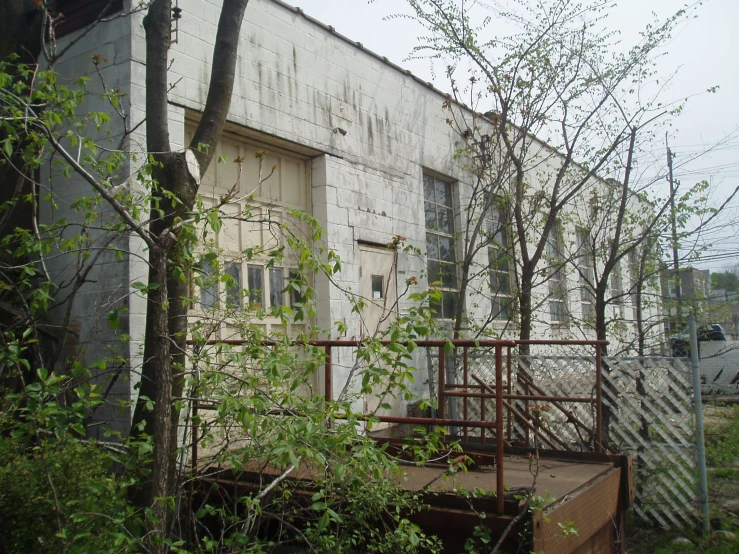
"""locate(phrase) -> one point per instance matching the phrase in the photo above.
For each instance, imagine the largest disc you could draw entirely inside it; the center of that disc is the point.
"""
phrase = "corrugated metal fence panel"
(719, 367)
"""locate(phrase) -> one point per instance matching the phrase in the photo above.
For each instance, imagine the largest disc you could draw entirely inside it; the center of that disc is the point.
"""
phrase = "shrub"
(59, 496)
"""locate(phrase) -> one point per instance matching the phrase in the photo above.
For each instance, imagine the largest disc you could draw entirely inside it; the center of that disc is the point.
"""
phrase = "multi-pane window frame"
(220, 284)
(438, 194)
(586, 272)
(265, 206)
(239, 292)
(495, 227)
(617, 290)
(219, 287)
(557, 279)
(633, 281)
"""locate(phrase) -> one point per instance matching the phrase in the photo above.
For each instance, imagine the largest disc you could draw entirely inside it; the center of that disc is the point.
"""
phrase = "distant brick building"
(692, 290)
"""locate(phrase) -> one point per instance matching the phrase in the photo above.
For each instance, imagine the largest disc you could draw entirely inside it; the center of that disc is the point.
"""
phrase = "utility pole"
(675, 256)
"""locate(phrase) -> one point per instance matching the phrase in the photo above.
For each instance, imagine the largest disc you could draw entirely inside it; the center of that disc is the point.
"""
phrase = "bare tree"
(560, 106)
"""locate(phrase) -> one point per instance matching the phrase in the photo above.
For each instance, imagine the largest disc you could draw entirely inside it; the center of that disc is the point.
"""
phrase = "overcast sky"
(704, 51)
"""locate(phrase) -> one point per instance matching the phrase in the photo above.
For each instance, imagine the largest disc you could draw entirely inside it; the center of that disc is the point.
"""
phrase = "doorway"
(378, 286)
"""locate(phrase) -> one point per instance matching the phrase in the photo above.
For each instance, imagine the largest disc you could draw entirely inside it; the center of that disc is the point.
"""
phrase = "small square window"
(428, 188)
(443, 192)
(430, 214)
(296, 295)
(208, 287)
(556, 311)
(378, 290)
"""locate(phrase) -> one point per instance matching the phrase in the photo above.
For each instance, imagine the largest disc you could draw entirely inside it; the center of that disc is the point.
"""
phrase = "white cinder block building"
(359, 143)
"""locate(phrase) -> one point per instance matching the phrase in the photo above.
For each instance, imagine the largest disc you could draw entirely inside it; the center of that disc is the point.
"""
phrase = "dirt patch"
(716, 417)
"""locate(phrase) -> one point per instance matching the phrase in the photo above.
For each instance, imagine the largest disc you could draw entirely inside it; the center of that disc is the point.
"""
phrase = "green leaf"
(113, 319)
(323, 522)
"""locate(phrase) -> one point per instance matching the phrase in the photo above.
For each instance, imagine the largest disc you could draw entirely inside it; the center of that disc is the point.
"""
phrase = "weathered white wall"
(300, 82)
(90, 339)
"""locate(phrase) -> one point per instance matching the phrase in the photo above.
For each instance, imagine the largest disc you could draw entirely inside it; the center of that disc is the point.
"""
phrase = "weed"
(724, 473)
(722, 441)
(722, 450)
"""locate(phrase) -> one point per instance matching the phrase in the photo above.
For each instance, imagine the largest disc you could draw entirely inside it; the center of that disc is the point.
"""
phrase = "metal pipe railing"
(441, 380)
(328, 375)
(599, 398)
(465, 382)
(499, 429)
(525, 421)
(500, 394)
(435, 421)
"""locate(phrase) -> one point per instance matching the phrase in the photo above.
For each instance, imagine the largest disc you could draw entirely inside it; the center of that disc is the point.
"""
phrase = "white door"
(378, 286)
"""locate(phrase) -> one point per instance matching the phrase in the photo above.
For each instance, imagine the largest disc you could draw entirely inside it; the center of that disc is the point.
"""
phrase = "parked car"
(680, 344)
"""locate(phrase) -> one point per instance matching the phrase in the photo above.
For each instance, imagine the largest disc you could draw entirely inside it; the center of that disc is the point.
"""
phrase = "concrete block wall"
(90, 339)
(300, 82)
(377, 127)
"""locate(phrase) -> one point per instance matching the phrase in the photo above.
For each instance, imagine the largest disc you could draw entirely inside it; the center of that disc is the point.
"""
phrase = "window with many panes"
(587, 274)
(262, 283)
(442, 270)
(633, 278)
(617, 290)
(496, 236)
(557, 283)
(259, 221)
(217, 288)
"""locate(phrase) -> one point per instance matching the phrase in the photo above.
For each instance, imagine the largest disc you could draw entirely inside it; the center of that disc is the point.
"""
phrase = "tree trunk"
(462, 294)
(601, 333)
(166, 319)
(157, 341)
(601, 330)
(641, 390)
(523, 376)
(640, 338)
(527, 279)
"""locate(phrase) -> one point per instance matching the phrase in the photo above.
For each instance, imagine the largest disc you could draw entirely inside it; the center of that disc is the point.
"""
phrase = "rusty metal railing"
(500, 391)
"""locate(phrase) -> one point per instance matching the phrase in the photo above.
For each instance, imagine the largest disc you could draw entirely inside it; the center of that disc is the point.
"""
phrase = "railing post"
(527, 413)
(499, 428)
(700, 442)
(598, 400)
(327, 375)
(509, 423)
(193, 422)
(483, 417)
(465, 365)
(441, 410)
